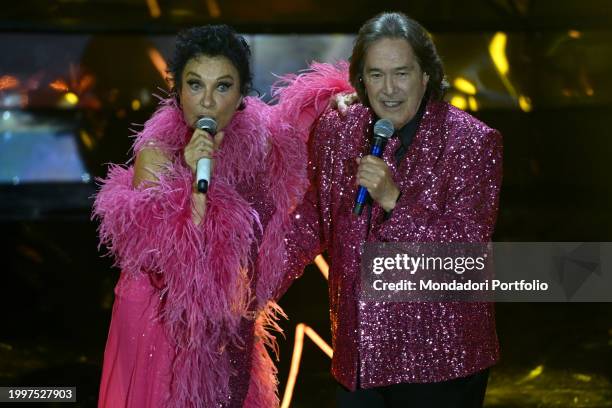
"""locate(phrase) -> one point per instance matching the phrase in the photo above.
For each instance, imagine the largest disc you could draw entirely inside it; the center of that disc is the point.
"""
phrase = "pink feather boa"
(203, 268)
(301, 99)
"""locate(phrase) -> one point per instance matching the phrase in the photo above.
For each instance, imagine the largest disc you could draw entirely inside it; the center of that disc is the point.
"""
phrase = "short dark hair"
(398, 25)
(212, 41)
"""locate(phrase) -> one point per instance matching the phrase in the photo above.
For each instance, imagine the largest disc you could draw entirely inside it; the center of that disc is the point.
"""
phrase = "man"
(438, 181)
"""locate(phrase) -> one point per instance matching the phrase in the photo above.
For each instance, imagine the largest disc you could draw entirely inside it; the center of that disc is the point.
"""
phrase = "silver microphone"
(203, 166)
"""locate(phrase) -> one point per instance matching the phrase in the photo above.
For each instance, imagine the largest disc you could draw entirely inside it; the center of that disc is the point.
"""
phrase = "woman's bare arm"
(150, 162)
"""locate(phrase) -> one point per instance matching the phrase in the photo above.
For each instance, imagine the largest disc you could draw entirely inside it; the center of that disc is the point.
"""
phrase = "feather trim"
(263, 386)
(166, 129)
(206, 292)
(301, 99)
(203, 269)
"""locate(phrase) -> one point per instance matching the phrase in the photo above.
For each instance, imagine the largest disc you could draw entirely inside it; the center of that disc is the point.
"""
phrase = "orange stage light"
(213, 8)
(59, 85)
(298, 345)
(8, 82)
(154, 9)
(323, 266)
(158, 62)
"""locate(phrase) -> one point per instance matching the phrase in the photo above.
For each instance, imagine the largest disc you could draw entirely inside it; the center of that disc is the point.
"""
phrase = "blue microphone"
(383, 130)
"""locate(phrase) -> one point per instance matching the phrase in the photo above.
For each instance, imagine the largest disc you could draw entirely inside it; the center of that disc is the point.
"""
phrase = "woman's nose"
(207, 100)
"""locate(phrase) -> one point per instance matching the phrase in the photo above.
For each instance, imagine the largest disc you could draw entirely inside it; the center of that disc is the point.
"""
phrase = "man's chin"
(397, 118)
(398, 122)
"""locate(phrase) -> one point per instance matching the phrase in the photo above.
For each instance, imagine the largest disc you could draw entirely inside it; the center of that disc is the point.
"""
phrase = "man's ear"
(425, 78)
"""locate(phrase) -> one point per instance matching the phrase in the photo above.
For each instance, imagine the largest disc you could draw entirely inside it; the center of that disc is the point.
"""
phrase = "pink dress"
(136, 345)
(193, 303)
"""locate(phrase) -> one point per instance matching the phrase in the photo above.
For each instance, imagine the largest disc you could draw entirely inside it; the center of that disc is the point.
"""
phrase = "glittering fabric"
(178, 336)
(450, 180)
(193, 301)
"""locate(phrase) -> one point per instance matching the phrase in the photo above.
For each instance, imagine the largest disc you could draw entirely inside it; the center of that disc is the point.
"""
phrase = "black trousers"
(466, 392)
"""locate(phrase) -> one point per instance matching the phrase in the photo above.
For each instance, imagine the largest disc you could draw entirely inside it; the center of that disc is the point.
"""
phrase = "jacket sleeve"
(301, 100)
(308, 232)
(470, 209)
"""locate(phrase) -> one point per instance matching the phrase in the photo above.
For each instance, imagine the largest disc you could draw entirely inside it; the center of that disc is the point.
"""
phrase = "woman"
(193, 299)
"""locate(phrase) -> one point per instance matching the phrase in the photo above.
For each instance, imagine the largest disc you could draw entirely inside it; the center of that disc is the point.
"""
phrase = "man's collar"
(409, 129)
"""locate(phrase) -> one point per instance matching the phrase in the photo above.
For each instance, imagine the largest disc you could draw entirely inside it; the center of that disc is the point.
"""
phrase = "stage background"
(76, 76)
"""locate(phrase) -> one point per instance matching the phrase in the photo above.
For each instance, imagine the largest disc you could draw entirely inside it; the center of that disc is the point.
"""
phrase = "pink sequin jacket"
(449, 181)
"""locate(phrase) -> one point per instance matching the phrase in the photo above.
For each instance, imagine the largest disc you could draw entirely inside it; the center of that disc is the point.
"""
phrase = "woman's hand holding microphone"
(201, 146)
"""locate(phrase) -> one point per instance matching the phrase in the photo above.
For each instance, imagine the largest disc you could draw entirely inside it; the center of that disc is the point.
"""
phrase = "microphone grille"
(384, 128)
(207, 124)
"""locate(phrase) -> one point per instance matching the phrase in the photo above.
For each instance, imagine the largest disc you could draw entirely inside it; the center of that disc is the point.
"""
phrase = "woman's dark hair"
(212, 41)
(398, 25)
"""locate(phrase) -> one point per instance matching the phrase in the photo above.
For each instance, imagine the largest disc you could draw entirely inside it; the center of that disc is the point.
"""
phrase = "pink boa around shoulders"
(203, 267)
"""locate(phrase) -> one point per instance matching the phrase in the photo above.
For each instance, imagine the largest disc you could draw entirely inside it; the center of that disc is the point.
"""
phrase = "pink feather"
(301, 99)
(201, 268)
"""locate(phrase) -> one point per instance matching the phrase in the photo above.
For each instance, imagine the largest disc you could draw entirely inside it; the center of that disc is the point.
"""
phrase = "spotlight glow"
(459, 101)
(154, 9)
(136, 105)
(497, 50)
(525, 103)
(465, 86)
(158, 62)
(473, 103)
(71, 98)
(298, 345)
(323, 266)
